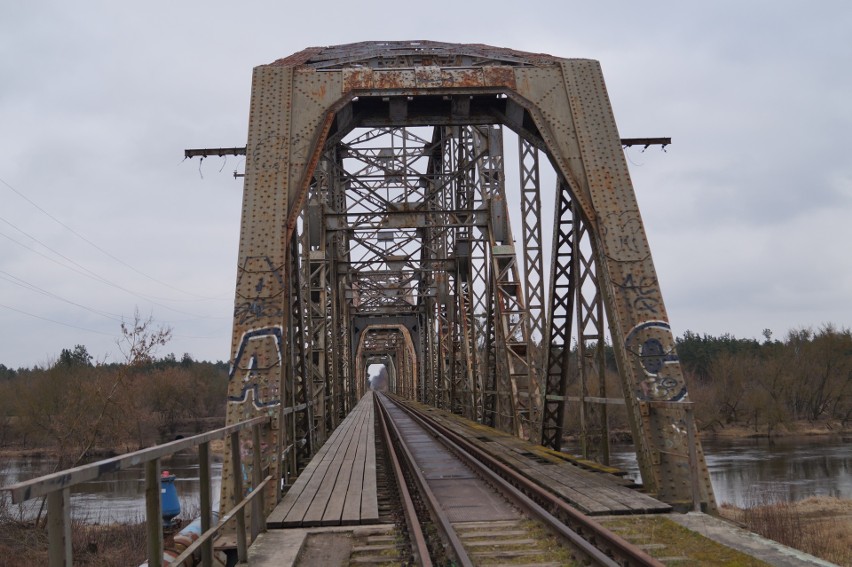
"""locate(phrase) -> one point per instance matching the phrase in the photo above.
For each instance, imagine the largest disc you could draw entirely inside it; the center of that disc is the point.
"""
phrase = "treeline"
(765, 385)
(74, 408)
(768, 384)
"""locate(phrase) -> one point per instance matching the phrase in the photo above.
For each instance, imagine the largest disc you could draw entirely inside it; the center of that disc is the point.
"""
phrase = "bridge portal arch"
(420, 227)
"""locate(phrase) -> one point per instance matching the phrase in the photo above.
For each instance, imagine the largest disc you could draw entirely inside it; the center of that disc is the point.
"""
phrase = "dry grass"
(24, 544)
(115, 545)
(821, 526)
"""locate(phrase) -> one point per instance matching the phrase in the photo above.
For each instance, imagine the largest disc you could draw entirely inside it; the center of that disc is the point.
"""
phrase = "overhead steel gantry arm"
(241, 151)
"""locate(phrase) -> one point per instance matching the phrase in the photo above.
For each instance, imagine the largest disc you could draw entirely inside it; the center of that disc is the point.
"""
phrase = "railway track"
(463, 507)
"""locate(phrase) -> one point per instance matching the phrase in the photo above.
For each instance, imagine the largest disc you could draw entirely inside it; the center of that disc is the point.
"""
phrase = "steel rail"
(524, 492)
(415, 530)
(438, 516)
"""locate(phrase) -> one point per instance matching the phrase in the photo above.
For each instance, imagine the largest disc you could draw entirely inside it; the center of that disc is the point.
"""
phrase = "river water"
(116, 497)
(743, 472)
(746, 472)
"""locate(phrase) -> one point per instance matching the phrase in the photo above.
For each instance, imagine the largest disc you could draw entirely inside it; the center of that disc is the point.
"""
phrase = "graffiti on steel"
(651, 342)
(258, 346)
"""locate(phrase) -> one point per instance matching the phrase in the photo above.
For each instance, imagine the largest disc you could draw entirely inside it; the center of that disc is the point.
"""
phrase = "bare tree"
(139, 341)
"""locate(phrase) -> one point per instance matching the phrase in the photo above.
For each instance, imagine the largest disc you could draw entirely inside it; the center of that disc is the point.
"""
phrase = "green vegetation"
(676, 545)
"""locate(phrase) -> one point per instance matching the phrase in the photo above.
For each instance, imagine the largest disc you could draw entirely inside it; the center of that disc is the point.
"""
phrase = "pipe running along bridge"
(377, 229)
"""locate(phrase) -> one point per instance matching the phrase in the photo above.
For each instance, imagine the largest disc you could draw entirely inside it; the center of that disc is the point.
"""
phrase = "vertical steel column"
(433, 283)
(533, 274)
(482, 301)
(561, 309)
(467, 340)
(490, 402)
(303, 419)
(466, 195)
(518, 391)
(337, 298)
(314, 283)
(443, 244)
(591, 353)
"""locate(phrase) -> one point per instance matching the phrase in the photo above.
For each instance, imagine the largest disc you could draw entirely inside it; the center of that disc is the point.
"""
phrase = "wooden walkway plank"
(283, 508)
(337, 473)
(346, 478)
(369, 495)
(303, 497)
(590, 491)
(351, 513)
(334, 477)
(314, 483)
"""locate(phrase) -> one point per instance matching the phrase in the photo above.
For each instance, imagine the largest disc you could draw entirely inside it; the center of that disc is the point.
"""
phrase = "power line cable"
(92, 275)
(112, 316)
(32, 287)
(108, 254)
(57, 322)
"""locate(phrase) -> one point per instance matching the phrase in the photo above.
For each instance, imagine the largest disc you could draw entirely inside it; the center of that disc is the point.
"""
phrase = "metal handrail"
(42, 485)
(205, 536)
(57, 488)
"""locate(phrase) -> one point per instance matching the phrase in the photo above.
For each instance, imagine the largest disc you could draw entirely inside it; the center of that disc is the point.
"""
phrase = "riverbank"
(736, 431)
(731, 431)
(821, 525)
(801, 428)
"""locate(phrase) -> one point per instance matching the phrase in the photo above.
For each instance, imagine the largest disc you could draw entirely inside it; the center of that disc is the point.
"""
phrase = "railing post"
(257, 507)
(153, 513)
(237, 490)
(59, 528)
(206, 504)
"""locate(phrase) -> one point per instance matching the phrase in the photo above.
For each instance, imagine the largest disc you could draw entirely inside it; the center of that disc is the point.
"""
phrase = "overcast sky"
(749, 212)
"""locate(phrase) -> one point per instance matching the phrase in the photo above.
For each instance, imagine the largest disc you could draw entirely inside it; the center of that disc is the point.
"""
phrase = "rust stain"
(402, 79)
(461, 78)
(502, 75)
(427, 77)
(319, 94)
(357, 78)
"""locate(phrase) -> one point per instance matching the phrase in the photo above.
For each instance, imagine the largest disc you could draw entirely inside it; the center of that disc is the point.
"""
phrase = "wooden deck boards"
(593, 493)
(338, 486)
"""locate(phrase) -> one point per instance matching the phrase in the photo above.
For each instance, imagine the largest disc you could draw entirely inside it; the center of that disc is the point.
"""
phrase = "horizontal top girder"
(407, 54)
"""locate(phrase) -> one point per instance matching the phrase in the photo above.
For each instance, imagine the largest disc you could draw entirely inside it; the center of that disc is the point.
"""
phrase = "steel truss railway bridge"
(379, 200)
